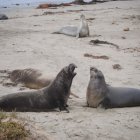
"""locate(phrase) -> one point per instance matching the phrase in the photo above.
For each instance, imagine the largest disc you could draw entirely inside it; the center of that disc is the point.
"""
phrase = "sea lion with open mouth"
(53, 96)
(99, 93)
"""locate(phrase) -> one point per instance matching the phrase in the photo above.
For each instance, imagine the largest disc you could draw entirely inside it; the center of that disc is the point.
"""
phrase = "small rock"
(22, 88)
(113, 22)
(123, 37)
(90, 19)
(43, 6)
(3, 71)
(117, 66)
(133, 16)
(126, 29)
(17, 4)
(3, 17)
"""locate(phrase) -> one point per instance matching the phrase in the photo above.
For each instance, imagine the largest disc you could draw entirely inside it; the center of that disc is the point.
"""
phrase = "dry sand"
(26, 42)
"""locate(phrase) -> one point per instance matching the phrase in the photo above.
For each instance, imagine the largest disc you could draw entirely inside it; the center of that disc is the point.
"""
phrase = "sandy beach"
(26, 41)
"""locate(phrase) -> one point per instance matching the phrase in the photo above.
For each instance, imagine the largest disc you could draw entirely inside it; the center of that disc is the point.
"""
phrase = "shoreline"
(29, 4)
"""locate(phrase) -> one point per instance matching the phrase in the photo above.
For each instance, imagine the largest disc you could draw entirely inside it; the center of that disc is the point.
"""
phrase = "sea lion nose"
(73, 65)
(93, 69)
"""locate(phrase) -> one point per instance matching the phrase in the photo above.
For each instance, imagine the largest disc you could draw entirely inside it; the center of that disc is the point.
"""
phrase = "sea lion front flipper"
(105, 103)
(66, 110)
(61, 106)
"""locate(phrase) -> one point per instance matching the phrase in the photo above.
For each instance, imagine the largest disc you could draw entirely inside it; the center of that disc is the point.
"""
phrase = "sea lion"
(71, 30)
(32, 78)
(53, 96)
(101, 94)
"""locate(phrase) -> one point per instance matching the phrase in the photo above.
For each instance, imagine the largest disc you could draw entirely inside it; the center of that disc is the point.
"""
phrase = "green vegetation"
(2, 116)
(10, 129)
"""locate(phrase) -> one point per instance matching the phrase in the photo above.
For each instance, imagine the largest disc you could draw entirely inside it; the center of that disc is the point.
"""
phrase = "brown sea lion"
(101, 94)
(53, 96)
(32, 78)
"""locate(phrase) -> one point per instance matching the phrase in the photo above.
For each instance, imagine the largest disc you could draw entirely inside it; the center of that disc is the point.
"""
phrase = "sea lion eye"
(95, 77)
(99, 76)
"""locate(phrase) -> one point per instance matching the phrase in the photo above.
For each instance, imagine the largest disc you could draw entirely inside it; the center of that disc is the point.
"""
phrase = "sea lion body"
(68, 30)
(122, 97)
(55, 95)
(26, 101)
(81, 31)
(99, 93)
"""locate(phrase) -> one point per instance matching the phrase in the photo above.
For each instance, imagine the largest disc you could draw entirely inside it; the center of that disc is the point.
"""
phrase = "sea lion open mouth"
(72, 68)
(94, 69)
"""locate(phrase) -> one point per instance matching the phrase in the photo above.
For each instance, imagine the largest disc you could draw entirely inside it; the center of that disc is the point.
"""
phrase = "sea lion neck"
(83, 21)
(64, 82)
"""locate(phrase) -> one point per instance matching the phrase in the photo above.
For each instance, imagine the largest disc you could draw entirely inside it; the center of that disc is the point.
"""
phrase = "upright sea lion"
(53, 96)
(32, 78)
(99, 93)
(81, 31)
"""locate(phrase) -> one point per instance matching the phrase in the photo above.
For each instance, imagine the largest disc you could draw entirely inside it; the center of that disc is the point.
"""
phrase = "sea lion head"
(15, 76)
(69, 70)
(96, 75)
(67, 74)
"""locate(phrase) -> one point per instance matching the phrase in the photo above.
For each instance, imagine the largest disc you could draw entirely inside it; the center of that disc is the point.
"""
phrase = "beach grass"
(11, 128)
